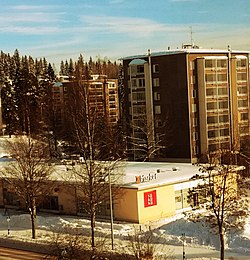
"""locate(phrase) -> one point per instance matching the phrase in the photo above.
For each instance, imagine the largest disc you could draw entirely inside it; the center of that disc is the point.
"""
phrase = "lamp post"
(111, 214)
(183, 244)
(8, 223)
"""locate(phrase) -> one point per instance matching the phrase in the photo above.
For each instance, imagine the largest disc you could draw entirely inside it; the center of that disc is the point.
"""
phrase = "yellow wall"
(126, 207)
(165, 204)
(130, 207)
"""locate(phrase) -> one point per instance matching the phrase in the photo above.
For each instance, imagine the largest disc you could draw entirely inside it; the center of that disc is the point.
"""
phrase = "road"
(14, 254)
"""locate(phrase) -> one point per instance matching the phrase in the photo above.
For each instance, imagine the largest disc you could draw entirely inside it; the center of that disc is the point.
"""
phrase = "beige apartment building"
(103, 96)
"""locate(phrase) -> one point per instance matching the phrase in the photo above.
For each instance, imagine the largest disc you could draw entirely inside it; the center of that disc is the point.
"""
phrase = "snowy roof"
(153, 174)
(150, 173)
(127, 174)
(137, 62)
(181, 51)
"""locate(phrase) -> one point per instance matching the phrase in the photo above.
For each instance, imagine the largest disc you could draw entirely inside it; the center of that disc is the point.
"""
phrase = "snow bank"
(168, 231)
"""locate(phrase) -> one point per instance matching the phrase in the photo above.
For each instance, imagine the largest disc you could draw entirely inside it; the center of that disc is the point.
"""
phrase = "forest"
(26, 88)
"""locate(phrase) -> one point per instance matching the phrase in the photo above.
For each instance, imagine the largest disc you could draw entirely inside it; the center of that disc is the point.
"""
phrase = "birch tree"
(95, 175)
(29, 175)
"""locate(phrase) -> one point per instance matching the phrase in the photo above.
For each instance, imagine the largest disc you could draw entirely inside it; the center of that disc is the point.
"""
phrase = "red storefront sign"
(150, 198)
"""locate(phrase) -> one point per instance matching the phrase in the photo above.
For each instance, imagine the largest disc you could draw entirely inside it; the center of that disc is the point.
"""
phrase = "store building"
(150, 191)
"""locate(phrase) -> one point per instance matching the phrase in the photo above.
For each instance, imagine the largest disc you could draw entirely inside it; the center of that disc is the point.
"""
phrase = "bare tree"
(145, 245)
(221, 195)
(95, 175)
(148, 139)
(29, 175)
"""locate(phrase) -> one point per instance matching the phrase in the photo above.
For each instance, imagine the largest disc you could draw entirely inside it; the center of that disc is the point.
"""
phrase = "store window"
(50, 203)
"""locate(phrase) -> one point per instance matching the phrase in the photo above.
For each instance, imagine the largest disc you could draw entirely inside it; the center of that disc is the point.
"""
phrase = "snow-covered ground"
(200, 243)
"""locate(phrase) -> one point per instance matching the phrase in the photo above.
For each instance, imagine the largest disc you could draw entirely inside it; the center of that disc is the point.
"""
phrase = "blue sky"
(62, 29)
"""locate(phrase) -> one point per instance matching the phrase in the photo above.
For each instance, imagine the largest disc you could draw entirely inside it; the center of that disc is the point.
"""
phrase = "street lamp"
(111, 213)
(183, 244)
(8, 223)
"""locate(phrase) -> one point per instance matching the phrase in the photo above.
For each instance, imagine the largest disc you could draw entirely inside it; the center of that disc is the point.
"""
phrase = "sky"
(63, 29)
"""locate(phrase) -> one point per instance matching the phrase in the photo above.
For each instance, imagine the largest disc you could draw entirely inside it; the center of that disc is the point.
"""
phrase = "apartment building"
(195, 100)
(103, 96)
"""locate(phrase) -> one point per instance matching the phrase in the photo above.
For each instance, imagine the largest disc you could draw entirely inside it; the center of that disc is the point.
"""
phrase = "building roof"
(135, 175)
(153, 174)
(187, 51)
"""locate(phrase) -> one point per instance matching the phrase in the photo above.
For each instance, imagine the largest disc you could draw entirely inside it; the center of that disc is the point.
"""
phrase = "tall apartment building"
(199, 97)
(103, 96)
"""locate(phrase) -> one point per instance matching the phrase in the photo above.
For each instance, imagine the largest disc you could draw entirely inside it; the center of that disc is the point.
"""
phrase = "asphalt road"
(14, 254)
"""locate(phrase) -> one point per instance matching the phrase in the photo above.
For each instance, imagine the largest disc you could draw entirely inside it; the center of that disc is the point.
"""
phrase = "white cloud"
(127, 25)
(37, 17)
(29, 7)
(35, 30)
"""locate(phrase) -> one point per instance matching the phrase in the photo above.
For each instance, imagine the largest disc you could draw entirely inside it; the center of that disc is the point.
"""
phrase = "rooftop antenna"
(191, 35)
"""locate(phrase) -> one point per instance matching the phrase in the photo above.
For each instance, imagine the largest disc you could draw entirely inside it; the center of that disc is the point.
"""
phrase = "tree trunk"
(92, 219)
(222, 244)
(33, 218)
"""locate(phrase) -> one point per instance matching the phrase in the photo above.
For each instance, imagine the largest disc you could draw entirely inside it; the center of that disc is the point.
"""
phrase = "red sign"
(150, 198)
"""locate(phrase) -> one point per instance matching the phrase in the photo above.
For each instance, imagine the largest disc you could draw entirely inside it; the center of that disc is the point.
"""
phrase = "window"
(157, 96)
(209, 63)
(210, 77)
(242, 90)
(192, 65)
(156, 82)
(157, 110)
(211, 105)
(141, 82)
(195, 121)
(139, 96)
(244, 130)
(150, 198)
(222, 77)
(223, 118)
(133, 83)
(221, 63)
(194, 93)
(195, 135)
(192, 79)
(10, 198)
(212, 119)
(222, 91)
(158, 122)
(139, 109)
(140, 69)
(212, 147)
(211, 91)
(223, 104)
(241, 76)
(241, 63)
(224, 132)
(212, 134)
(50, 203)
(243, 116)
(242, 103)
(155, 68)
(194, 108)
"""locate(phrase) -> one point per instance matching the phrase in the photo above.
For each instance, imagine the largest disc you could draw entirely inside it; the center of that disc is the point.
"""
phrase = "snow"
(199, 242)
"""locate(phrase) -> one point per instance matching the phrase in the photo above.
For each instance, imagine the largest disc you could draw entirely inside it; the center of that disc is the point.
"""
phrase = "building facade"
(102, 96)
(194, 100)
